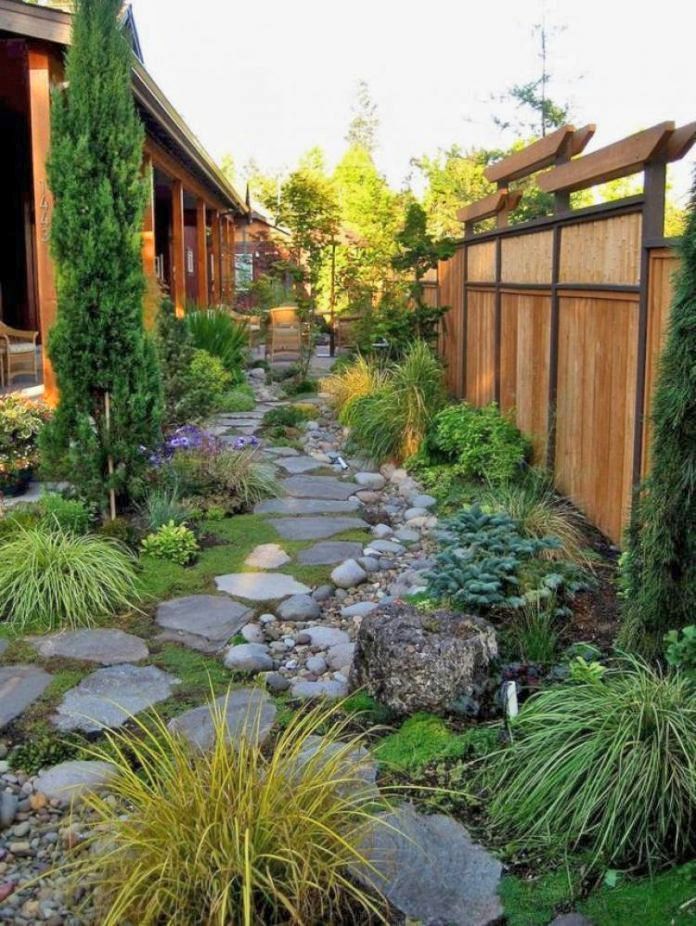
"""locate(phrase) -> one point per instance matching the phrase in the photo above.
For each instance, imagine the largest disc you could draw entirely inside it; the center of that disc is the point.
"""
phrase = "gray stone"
(260, 586)
(304, 690)
(9, 804)
(105, 646)
(571, 919)
(385, 546)
(411, 661)
(3, 645)
(340, 657)
(299, 608)
(368, 496)
(276, 682)
(373, 481)
(248, 657)
(306, 506)
(412, 514)
(206, 621)
(69, 781)
(328, 552)
(431, 870)
(248, 712)
(315, 528)
(108, 697)
(406, 535)
(409, 580)
(397, 476)
(267, 556)
(423, 501)
(325, 637)
(299, 465)
(348, 574)
(19, 686)
(408, 487)
(316, 665)
(323, 593)
(382, 531)
(357, 764)
(359, 609)
(282, 451)
(252, 633)
(318, 487)
(369, 563)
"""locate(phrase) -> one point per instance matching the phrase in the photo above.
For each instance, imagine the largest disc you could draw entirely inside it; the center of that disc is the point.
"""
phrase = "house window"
(243, 272)
(189, 260)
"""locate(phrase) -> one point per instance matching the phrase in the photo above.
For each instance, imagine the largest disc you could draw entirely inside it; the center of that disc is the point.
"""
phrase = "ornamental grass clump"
(360, 378)
(55, 579)
(606, 767)
(238, 833)
(217, 333)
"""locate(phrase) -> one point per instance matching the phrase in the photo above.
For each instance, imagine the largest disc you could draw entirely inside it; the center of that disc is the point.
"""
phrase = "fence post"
(553, 351)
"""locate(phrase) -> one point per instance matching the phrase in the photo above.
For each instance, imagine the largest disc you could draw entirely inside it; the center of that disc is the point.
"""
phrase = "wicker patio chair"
(284, 331)
(17, 353)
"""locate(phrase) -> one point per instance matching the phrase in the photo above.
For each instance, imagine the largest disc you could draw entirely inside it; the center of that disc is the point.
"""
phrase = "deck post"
(202, 252)
(178, 255)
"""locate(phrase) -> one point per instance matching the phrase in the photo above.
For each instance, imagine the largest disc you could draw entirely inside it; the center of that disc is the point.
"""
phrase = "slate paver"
(328, 552)
(306, 506)
(267, 556)
(315, 528)
(260, 586)
(103, 645)
(318, 487)
(109, 696)
(20, 685)
(299, 465)
(248, 712)
(204, 622)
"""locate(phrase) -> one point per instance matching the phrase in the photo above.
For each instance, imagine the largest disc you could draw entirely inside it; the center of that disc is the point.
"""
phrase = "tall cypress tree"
(105, 364)
(661, 555)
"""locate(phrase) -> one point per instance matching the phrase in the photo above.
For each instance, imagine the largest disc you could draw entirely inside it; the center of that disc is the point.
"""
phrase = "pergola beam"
(563, 142)
(490, 206)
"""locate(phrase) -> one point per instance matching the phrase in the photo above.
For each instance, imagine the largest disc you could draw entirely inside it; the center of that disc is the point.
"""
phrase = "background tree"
(362, 131)
(106, 367)
(660, 571)
(454, 178)
(229, 168)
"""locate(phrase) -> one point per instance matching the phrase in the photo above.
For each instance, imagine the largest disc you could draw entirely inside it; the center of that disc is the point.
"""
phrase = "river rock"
(248, 657)
(248, 712)
(374, 481)
(348, 574)
(69, 781)
(299, 608)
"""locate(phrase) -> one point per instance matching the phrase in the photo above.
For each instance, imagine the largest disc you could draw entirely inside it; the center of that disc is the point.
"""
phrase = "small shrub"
(173, 542)
(606, 766)
(300, 386)
(218, 334)
(680, 649)
(119, 529)
(234, 478)
(175, 353)
(21, 516)
(51, 579)
(21, 422)
(532, 632)
(232, 834)
(163, 506)
(480, 442)
(206, 384)
(70, 514)
(239, 399)
(354, 380)
(287, 416)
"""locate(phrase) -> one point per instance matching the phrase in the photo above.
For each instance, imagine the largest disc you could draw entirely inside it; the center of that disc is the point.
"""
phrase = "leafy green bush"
(234, 833)
(391, 422)
(218, 334)
(300, 386)
(486, 562)
(162, 506)
(175, 353)
(239, 399)
(481, 443)
(70, 514)
(173, 542)
(607, 767)
(233, 479)
(51, 579)
(21, 422)
(680, 649)
(206, 383)
(287, 416)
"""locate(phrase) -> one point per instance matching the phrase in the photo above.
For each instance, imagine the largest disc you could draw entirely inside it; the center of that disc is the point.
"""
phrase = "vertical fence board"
(606, 251)
(527, 258)
(480, 340)
(451, 337)
(480, 266)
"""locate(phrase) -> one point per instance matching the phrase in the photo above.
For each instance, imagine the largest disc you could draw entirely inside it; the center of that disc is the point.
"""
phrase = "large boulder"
(413, 661)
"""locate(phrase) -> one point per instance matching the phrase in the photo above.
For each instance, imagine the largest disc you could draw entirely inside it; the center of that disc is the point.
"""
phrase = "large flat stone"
(299, 465)
(431, 870)
(108, 697)
(306, 506)
(260, 586)
(267, 556)
(249, 712)
(19, 686)
(318, 487)
(105, 646)
(69, 781)
(3, 645)
(329, 551)
(315, 528)
(206, 620)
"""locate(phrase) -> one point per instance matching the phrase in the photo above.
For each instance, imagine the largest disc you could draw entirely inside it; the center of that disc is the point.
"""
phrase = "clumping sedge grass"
(605, 766)
(234, 834)
(162, 506)
(352, 382)
(532, 632)
(52, 579)
(236, 474)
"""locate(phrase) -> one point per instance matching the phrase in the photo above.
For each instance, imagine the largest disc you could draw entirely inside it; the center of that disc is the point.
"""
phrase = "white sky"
(270, 78)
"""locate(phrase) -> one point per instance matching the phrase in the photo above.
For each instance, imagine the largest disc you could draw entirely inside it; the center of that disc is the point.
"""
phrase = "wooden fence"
(561, 320)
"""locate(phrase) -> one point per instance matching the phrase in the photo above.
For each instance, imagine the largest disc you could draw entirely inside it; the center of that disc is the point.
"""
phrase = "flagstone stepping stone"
(318, 487)
(248, 657)
(105, 646)
(328, 552)
(108, 697)
(203, 622)
(267, 556)
(19, 686)
(69, 781)
(305, 691)
(298, 465)
(248, 712)
(282, 451)
(315, 528)
(306, 506)
(431, 870)
(358, 763)
(260, 586)
(299, 608)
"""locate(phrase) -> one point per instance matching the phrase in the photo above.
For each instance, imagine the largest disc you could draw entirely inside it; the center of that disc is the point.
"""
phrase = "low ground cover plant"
(174, 542)
(604, 766)
(239, 399)
(680, 649)
(221, 476)
(234, 834)
(21, 422)
(52, 579)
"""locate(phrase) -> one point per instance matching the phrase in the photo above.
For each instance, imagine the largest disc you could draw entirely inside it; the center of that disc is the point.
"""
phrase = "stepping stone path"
(267, 556)
(306, 506)
(260, 586)
(248, 657)
(315, 528)
(105, 646)
(107, 697)
(431, 870)
(203, 622)
(329, 552)
(19, 686)
(248, 712)
(300, 464)
(318, 487)
(71, 780)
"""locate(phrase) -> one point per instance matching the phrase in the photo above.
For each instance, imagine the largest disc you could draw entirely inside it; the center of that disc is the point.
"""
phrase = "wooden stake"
(110, 459)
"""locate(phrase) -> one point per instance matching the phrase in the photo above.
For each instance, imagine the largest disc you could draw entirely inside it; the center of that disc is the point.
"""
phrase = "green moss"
(534, 902)
(424, 738)
(370, 710)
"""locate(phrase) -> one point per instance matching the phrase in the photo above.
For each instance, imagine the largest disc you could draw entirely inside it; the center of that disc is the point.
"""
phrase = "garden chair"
(284, 330)
(17, 353)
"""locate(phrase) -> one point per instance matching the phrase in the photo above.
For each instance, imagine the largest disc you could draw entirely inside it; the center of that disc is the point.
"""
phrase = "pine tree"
(105, 364)
(660, 571)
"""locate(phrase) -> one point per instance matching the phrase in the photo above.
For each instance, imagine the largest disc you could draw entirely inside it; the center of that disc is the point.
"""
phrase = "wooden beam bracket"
(488, 207)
